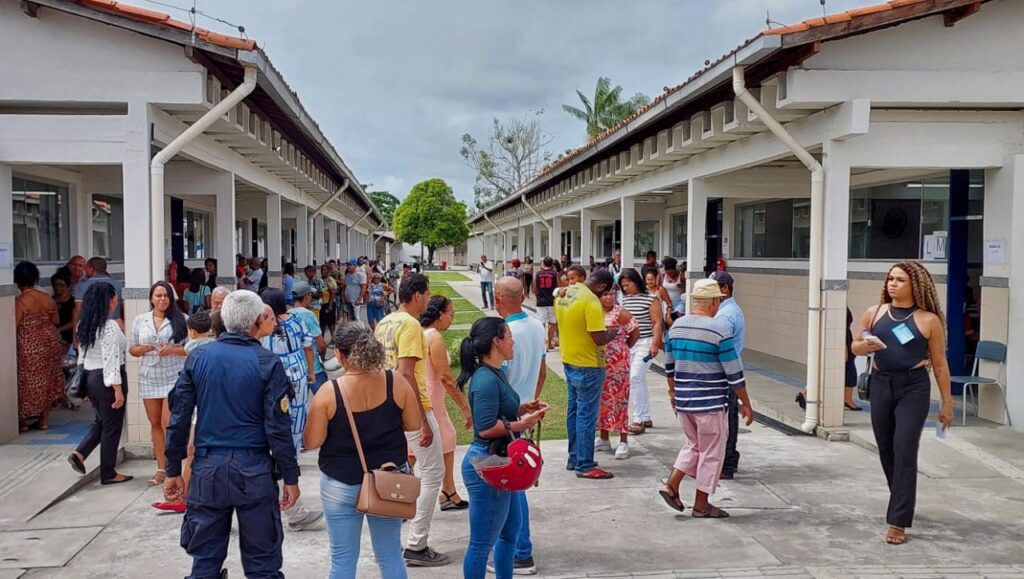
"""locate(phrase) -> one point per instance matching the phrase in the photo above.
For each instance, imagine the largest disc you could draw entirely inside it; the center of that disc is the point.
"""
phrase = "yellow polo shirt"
(579, 312)
(402, 337)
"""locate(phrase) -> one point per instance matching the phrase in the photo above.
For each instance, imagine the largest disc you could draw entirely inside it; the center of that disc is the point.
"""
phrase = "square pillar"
(520, 242)
(537, 249)
(302, 257)
(332, 241)
(696, 232)
(224, 241)
(319, 243)
(628, 239)
(8, 332)
(834, 284)
(586, 235)
(1011, 183)
(555, 239)
(274, 239)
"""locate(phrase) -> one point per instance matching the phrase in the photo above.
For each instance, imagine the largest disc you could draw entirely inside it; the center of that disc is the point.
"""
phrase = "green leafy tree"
(606, 109)
(386, 203)
(431, 216)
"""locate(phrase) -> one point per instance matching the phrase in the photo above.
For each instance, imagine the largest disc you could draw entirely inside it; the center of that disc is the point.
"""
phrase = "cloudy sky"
(396, 83)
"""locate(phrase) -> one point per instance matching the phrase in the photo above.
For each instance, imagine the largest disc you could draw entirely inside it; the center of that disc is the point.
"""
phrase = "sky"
(394, 84)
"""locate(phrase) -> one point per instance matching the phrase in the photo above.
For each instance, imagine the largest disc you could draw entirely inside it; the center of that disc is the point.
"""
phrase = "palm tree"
(606, 110)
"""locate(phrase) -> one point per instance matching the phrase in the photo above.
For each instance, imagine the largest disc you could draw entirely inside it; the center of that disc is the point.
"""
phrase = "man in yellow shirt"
(405, 346)
(582, 336)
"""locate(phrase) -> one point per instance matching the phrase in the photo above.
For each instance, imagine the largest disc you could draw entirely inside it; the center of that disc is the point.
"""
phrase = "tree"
(385, 203)
(515, 154)
(431, 216)
(607, 109)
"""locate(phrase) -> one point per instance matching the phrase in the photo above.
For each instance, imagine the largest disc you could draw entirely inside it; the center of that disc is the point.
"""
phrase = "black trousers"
(732, 456)
(899, 407)
(105, 430)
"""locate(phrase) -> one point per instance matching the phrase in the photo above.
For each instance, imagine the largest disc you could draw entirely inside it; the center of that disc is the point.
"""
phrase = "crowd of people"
(233, 385)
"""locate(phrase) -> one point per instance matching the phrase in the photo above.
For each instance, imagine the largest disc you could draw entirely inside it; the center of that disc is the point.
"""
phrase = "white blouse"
(156, 370)
(107, 353)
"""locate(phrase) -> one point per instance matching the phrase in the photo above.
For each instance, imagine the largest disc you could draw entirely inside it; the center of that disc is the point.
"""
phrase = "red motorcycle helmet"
(521, 470)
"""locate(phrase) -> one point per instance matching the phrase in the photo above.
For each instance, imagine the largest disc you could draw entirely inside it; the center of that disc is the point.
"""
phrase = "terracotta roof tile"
(147, 15)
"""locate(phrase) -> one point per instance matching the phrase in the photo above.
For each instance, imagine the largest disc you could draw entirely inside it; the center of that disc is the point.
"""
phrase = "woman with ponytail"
(384, 406)
(906, 333)
(438, 318)
(494, 518)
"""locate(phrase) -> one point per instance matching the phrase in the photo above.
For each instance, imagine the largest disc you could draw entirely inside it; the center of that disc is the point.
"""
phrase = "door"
(713, 235)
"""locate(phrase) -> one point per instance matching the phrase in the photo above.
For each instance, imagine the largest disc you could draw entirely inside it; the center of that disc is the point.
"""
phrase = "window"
(566, 245)
(240, 247)
(767, 229)
(41, 219)
(646, 237)
(108, 227)
(892, 221)
(197, 235)
(606, 241)
(261, 240)
(679, 235)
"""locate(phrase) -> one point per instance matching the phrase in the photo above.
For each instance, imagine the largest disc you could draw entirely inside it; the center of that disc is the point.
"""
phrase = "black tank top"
(380, 430)
(905, 346)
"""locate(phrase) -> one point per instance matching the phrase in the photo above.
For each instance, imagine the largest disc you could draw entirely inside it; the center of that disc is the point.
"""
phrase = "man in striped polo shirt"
(706, 367)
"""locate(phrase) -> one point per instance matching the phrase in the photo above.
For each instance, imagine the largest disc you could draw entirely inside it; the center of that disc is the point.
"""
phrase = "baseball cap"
(300, 289)
(353, 262)
(706, 289)
(721, 277)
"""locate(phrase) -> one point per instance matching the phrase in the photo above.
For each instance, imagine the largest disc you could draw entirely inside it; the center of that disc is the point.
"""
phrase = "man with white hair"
(217, 297)
(239, 392)
(706, 369)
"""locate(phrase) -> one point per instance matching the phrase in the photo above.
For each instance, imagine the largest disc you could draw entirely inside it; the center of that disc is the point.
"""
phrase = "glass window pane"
(108, 227)
(645, 238)
(240, 238)
(679, 235)
(196, 238)
(802, 228)
(41, 220)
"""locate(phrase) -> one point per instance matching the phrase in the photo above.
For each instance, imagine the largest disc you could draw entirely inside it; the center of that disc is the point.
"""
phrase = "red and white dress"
(615, 395)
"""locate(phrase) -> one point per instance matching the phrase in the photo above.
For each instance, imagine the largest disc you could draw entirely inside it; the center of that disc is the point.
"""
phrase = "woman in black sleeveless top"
(909, 323)
(384, 406)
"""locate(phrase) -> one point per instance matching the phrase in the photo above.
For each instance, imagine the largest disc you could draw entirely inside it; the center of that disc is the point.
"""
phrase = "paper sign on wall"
(995, 251)
(6, 261)
(725, 247)
(934, 247)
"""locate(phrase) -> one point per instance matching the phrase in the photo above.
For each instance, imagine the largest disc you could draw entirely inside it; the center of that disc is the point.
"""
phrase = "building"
(898, 134)
(128, 134)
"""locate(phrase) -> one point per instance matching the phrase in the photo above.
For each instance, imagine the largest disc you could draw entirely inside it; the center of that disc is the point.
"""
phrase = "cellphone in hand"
(940, 431)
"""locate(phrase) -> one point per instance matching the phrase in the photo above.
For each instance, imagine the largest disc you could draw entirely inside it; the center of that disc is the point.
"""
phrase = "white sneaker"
(622, 452)
(602, 445)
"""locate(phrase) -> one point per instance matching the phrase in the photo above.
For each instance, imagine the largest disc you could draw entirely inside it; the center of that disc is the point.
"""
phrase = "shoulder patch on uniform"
(284, 405)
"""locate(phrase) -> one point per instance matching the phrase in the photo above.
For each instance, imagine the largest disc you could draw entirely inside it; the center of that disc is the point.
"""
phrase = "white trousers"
(638, 379)
(430, 469)
(361, 313)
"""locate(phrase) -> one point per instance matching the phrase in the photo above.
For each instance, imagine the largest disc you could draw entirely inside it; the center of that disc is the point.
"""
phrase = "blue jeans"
(487, 291)
(345, 528)
(585, 385)
(494, 521)
(320, 379)
(524, 547)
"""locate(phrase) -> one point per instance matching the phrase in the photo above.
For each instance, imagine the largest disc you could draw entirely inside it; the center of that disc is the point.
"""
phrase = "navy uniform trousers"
(230, 482)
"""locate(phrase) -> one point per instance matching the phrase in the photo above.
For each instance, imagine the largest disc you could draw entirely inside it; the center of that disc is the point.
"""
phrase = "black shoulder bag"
(864, 380)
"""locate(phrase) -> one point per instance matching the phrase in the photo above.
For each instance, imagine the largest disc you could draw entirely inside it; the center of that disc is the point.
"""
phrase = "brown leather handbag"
(386, 491)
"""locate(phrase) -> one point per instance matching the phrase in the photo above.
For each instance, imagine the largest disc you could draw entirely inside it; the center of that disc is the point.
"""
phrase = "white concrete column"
(555, 239)
(520, 242)
(834, 283)
(586, 235)
(332, 241)
(626, 244)
(274, 249)
(696, 232)
(224, 233)
(1013, 183)
(302, 237)
(536, 250)
(135, 189)
(8, 332)
(319, 254)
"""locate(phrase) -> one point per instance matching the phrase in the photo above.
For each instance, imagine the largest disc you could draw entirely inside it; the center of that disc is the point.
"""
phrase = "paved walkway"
(801, 506)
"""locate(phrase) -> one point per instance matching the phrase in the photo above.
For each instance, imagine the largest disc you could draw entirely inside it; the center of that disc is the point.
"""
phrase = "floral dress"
(615, 395)
(40, 379)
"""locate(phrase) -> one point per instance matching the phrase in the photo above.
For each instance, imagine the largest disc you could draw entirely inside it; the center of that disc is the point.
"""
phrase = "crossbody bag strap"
(352, 423)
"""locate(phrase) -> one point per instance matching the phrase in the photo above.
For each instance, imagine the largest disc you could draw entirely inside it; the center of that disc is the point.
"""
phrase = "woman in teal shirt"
(494, 518)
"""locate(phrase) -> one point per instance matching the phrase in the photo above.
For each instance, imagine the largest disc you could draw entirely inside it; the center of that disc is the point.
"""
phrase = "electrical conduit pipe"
(817, 223)
(156, 166)
(504, 239)
(348, 234)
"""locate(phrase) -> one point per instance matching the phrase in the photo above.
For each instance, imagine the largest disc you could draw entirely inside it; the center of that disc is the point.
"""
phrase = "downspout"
(504, 238)
(333, 196)
(348, 232)
(156, 166)
(534, 211)
(312, 216)
(817, 223)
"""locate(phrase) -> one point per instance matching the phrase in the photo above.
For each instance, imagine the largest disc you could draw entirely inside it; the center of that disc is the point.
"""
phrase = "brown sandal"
(710, 511)
(636, 428)
(671, 499)
(896, 535)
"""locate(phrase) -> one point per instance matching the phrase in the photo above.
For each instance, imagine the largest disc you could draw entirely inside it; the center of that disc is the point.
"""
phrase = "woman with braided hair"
(906, 333)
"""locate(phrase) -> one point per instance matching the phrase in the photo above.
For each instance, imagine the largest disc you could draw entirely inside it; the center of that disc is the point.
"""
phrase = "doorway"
(963, 249)
(713, 235)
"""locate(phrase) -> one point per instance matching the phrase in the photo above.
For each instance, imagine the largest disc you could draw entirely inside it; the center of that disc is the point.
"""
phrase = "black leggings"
(900, 402)
(527, 282)
(105, 430)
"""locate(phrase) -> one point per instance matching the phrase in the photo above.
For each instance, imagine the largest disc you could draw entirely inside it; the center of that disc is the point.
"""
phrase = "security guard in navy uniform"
(240, 394)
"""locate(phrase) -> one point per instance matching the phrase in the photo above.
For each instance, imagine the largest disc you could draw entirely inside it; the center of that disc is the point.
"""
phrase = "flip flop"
(672, 500)
(595, 474)
(158, 478)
